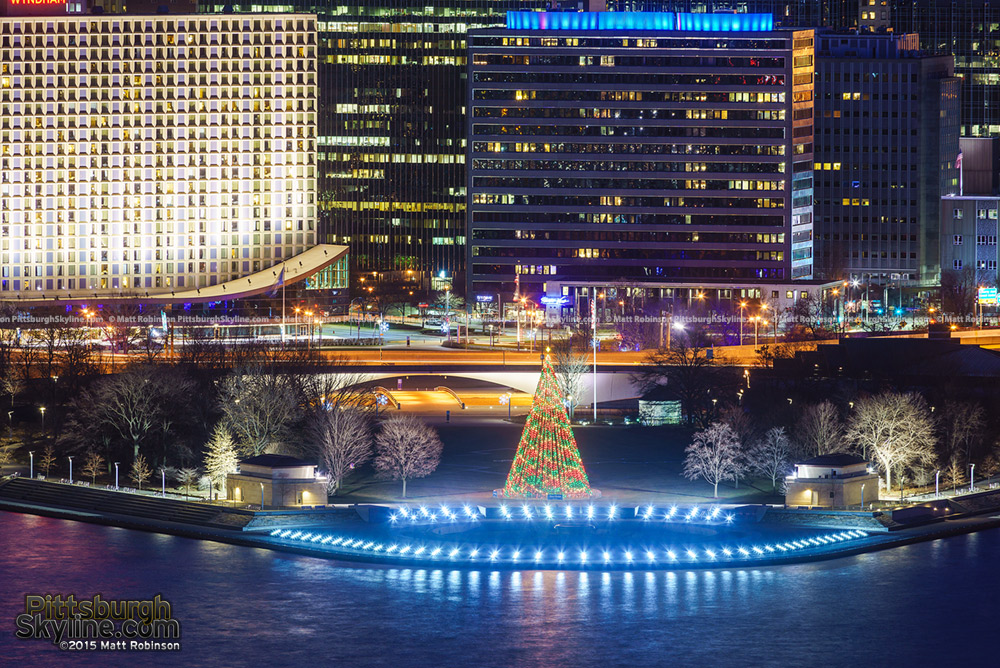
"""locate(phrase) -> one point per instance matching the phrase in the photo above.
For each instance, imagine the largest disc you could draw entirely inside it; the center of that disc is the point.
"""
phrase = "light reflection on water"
(258, 607)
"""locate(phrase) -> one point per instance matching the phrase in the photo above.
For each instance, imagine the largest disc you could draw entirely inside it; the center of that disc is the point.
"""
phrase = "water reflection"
(355, 614)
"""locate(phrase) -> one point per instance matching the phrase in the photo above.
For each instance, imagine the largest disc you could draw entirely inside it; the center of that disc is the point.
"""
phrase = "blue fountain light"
(610, 557)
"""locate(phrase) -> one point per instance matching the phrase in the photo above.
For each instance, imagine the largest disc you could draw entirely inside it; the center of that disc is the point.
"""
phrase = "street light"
(116, 475)
(972, 477)
(42, 409)
(505, 399)
(31, 469)
(70, 458)
(862, 496)
(743, 306)
(937, 484)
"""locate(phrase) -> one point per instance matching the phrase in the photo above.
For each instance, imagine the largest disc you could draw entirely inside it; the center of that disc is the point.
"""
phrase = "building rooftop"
(833, 460)
(618, 21)
(276, 461)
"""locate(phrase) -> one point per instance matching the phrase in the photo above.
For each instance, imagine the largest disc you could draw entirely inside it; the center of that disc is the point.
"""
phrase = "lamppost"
(350, 309)
(836, 293)
(756, 321)
(31, 469)
(665, 318)
(520, 310)
(42, 410)
(743, 306)
(593, 343)
(70, 458)
(447, 308)
(116, 476)
(972, 477)
(937, 484)
(765, 307)
(505, 399)
(862, 496)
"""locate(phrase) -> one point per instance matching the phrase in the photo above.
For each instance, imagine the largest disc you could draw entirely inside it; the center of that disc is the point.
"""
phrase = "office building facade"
(664, 153)
(969, 238)
(970, 31)
(887, 139)
(154, 153)
(969, 250)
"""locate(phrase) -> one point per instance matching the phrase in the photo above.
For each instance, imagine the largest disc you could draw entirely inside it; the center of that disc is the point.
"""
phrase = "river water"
(934, 603)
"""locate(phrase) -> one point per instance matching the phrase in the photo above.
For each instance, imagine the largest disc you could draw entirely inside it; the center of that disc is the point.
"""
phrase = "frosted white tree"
(92, 465)
(820, 429)
(186, 478)
(140, 472)
(571, 366)
(343, 441)
(894, 429)
(714, 455)
(407, 449)
(220, 456)
(770, 456)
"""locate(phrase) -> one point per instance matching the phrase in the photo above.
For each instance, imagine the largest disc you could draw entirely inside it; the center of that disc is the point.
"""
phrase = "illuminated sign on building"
(618, 21)
(555, 301)
(38, 7)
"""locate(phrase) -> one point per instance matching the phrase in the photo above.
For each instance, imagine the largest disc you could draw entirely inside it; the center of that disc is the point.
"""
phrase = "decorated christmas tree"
(547, 459)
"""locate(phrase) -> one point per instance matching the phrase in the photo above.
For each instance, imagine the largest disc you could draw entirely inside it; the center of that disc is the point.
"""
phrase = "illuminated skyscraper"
(391, 126)
(154, 153)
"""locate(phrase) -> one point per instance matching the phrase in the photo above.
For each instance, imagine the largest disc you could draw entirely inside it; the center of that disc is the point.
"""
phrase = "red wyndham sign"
(35, 7)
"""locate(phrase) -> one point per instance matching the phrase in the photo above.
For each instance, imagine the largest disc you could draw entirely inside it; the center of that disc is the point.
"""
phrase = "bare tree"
(340, 388)
(343, 441)
(962, 424)
(49, 341)
(140, 472)
(258, 404)
(895, 429)
(220, 457)
(93, 465)
(187, 477)
(746, 431)
(954, 471)
(811, 317)
(6, 454)
(959, 291)
(12, 382)
(713, 455)
(571, 366)
(135, 406)
(820, 429)
(690, 371)
(770, 456)
(47, 459)
(407, 449)
(27, 356)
